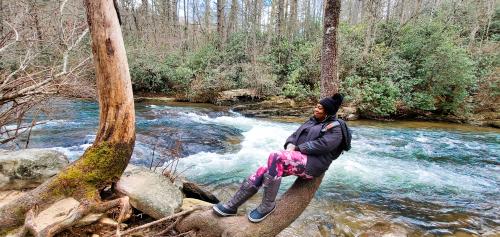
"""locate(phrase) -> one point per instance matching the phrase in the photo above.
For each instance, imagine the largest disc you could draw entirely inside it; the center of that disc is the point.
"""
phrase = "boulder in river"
(29, 168)
(152, 193)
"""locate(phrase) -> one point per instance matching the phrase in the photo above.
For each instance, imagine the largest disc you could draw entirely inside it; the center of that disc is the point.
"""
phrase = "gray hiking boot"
(246, 191)
(271, 187)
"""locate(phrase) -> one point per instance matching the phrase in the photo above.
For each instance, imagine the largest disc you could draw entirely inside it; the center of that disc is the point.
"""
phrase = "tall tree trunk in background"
(105, 161)
(36, 20)
(279, 18)
(1, 17)
(402, 6)
(417, 5)
(475, 22)
(388, 11)
(144, 14)
(329, 74)
(260, 10)
(185, 26)
(271, 26)
(166, 13)
(307, 18)
(173, 12)
(371, 9)
(286, 3)
(220, 22)
(356, 12)
(292, 25)
(231, 25)
(206, 16)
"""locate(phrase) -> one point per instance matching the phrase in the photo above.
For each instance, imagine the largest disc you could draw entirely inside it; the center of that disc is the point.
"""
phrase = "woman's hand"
(290, 147)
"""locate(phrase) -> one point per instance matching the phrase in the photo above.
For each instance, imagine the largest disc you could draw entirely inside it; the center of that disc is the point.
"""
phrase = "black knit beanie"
(332, 104)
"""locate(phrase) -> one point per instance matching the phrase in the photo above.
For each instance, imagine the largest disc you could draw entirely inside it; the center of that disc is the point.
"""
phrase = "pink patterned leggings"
(280, 164)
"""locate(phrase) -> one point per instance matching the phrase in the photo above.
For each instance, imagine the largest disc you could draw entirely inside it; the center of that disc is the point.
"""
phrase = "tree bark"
(231, 26)
(388, 11)
(220, 21)
(103, 162)
(279, 18)
(206, 16)
(292, 25)
(402, 12)
(288, 208)
(329, 74)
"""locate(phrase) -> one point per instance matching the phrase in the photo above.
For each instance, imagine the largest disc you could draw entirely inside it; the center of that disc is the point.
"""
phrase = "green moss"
(99, 165)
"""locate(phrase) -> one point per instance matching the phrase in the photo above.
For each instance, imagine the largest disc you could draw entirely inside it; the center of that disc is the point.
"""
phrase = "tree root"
(74, 216)
(176, 215)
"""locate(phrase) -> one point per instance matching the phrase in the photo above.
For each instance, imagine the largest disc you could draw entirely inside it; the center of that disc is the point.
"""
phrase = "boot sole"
(221, 213)
(260, 219)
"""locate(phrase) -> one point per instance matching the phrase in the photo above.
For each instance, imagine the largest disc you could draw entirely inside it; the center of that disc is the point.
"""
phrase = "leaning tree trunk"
(105, 161)
(288, 208)
(329, 77)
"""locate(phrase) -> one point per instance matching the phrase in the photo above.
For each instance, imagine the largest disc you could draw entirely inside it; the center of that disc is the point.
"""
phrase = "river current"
(407, 179)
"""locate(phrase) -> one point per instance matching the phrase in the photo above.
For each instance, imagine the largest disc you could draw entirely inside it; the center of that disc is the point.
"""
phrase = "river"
(404, 178)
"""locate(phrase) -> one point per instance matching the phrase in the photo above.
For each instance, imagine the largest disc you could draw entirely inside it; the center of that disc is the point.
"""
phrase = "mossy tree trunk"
(105, 161)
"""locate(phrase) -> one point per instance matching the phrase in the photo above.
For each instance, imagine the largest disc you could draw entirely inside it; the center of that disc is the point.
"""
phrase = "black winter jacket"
(321, 147)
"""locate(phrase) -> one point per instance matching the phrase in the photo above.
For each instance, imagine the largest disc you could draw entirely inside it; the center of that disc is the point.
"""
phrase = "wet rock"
(189, 203)
(149, 192)
(385, 230)
(235, 96)
(29, 168)
(192, 190)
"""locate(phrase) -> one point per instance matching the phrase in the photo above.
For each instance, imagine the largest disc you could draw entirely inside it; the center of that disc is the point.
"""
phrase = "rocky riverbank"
(280, 108)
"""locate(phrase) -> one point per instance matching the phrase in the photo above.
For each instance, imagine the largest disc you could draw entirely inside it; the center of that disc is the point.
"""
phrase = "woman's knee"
(273, 158)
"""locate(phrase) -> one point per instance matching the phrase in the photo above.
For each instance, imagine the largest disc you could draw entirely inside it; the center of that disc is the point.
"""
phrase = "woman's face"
(319, 112)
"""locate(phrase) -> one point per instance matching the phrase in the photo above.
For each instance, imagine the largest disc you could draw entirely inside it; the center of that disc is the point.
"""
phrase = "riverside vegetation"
(426, 68)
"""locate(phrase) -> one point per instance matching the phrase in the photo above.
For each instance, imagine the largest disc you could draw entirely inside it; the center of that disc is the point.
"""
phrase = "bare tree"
(103, 162)
(231, 25)
(220, 21)
(206, 17)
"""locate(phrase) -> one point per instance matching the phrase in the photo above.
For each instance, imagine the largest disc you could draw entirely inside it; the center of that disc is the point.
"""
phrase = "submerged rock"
(29, 168)
(150, 192)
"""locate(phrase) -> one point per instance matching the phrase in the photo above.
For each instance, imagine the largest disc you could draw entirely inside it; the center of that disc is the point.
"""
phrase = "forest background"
(397, 58)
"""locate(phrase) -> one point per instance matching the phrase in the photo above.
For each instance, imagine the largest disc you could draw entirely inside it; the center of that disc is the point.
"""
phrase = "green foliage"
(419, 67)
(441, 71)
(379, 96)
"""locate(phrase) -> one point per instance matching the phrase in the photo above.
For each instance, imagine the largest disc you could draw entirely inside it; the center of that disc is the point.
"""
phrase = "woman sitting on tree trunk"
(309, 152)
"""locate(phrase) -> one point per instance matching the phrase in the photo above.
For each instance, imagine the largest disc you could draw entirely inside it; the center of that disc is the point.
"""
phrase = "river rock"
(234, 96)
(29, 168)
(385, 230)
(150, 192)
